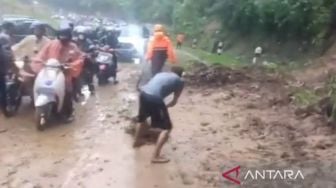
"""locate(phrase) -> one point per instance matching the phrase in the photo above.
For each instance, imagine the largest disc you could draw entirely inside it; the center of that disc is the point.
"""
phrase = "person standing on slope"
(160, 48)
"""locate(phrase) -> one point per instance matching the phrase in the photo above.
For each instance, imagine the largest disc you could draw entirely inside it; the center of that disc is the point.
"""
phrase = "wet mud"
(242, 122)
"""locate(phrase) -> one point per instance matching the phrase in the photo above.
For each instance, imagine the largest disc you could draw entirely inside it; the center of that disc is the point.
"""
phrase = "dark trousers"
(158, 61)
(3, 93)
(77, 85)
(157, 67)
(68, 108)
(115, 65)
(155, 108)
(87, 79)
(178, 45)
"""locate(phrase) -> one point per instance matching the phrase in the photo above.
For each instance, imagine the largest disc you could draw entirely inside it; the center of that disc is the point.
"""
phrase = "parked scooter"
(18, 85)
(49, 92)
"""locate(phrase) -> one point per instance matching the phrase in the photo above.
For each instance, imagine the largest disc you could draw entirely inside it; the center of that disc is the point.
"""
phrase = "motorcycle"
(49, 92)
(14, 95)
(26, 77)
(106, 66)
(90, 68)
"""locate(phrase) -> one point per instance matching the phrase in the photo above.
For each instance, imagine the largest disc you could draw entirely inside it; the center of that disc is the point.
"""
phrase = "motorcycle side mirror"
(92, 47)
(20, 64)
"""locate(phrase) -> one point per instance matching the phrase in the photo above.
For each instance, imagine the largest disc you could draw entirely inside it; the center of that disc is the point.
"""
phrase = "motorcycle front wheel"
(42, 116)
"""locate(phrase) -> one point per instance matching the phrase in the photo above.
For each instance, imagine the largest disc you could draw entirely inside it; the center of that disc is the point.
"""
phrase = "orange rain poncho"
(160, 42)
(160, 47)
(69, 53)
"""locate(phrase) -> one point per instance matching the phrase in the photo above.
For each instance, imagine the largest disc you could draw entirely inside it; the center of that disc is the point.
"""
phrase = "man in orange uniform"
(160, 49)
(67, 52)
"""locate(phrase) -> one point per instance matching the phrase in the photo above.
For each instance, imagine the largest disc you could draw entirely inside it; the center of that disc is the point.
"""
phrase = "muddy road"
(244, 123)
(94, 151)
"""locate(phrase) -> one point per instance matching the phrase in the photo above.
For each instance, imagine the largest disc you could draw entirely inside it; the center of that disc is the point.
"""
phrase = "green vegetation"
(23, 8)
(305, 97)
(224, 59)
(324, 99)
(308, 20)
(287, 28)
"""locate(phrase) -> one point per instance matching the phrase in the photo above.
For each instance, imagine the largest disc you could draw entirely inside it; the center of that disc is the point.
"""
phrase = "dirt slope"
(247, 122)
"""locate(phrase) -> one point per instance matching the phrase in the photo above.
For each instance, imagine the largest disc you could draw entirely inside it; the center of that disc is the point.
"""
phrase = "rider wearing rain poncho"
(65, 51)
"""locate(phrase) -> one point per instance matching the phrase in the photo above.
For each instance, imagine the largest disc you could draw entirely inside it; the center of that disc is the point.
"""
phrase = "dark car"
(23, 27)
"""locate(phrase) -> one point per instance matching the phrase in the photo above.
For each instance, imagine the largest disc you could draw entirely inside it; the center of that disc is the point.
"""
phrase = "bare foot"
(3, 130)
(160, 160)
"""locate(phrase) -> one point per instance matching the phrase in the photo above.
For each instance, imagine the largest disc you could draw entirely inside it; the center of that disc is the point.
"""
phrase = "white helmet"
(258, 50)
(80, 29)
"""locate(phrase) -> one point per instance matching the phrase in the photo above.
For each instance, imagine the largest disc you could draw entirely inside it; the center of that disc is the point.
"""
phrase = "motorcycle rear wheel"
(102, 79)
(13, 104)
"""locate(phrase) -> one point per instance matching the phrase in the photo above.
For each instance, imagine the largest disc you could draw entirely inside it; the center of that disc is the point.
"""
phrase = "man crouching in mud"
(152, 105)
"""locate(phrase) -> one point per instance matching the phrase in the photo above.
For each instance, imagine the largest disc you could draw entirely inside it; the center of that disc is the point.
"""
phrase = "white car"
(133, 42)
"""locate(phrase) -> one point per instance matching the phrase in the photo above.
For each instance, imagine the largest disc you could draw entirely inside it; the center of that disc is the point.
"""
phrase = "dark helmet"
(81, 32)
(113, 31)
(64, 34)
(7, 25)
(71, 25)
(92, 48)
(38, 25)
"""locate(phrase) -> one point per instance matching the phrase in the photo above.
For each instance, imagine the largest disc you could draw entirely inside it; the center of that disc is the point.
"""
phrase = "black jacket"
(110, 40)
(6, 54)
(85, 45)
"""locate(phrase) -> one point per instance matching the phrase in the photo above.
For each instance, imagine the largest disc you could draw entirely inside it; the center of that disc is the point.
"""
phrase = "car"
(23, 29)
(132, 43)
(58, 17)
(14, 18)
(23, 26)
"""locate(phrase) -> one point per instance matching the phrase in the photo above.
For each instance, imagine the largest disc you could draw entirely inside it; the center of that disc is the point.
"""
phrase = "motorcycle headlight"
(51, 74)
(81, 37)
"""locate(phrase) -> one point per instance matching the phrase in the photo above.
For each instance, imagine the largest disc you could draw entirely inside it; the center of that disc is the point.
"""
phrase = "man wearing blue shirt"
(152, 105)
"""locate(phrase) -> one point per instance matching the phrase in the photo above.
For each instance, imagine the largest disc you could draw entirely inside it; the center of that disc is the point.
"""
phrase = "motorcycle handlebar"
(110, 50)
(66, 66)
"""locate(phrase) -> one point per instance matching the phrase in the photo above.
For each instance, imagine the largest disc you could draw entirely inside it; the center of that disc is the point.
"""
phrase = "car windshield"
(131, 31)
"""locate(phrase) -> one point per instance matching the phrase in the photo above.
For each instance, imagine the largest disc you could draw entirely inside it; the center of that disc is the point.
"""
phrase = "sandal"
(160, 160)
